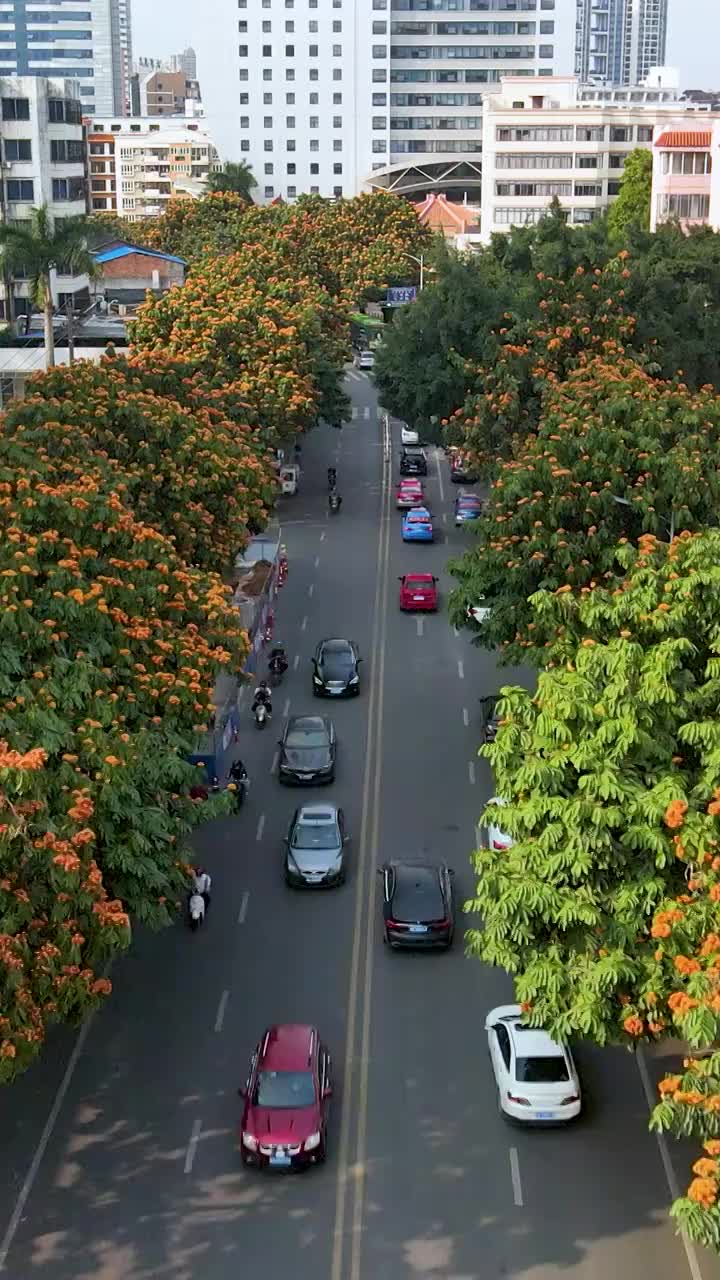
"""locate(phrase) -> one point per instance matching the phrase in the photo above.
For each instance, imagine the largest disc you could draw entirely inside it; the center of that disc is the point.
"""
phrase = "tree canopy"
(632, 207)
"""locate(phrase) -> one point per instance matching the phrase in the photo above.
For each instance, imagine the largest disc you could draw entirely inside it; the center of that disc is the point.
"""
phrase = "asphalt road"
(134, 1172)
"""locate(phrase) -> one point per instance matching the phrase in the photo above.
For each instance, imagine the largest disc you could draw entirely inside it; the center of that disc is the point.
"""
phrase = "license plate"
(418, 928)
(280, 1161)
(546, 1115)
(418, 598)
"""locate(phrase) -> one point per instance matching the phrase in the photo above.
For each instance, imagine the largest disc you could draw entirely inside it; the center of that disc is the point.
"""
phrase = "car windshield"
(337, 659)
(416, 584)
(278, 1089)
(546, 1070)
(299, 738)
(315, 835)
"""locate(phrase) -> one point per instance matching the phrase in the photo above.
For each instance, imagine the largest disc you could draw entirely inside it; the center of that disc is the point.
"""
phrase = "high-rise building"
(81, 40)
(185, 62)
(137, 165)
(162, 88)
(334, 90)
(43, 156)
(620, 41)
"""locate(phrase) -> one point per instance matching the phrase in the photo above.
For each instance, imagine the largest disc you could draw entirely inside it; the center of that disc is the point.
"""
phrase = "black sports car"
(307, 751)
(336, 669)
(418, 904)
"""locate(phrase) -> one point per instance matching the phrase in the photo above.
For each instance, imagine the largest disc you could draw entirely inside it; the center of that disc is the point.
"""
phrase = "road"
(137, 1173)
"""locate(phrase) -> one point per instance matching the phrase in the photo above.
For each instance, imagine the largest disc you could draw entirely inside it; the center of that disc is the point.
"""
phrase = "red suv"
(287, 1093)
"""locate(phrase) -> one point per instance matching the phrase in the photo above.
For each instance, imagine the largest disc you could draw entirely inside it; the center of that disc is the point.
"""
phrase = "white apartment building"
(85, 40)
(137, 164)
(558, 138)
(620, 41)
(43, 162)
(333, 92)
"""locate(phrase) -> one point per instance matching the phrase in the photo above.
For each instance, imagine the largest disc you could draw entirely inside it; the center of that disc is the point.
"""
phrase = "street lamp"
(625, 502)
(421, 263)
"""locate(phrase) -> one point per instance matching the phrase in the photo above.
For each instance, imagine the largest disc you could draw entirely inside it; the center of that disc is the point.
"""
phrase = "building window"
(267, 51)
(291, 144)
(378, 146)
(269, 193)
(380, 51)
(337, 168)
(314, 167)
(289, 50)
(292, 192)
(267, 122)
(243, 50)
(620, 133)
(314, 122)
(292, 168)
(244, 122)
(16, 108)
(685, 162)
(290, 122)
(21, 189)
(21, 149)
(269, 169)
(314, 144)
(290, 99)
(379, 122)
(68, 188)
(313, 50)
(337, 144)
(379, 99)
(267, 144)
(267, 99)
(644, 133)
(588, 189)
(65, 151)
(244, 144)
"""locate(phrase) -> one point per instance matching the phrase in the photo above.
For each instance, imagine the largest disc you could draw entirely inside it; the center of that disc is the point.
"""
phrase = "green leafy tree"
(632, 206)
(233, 177)
(41, 249)
(610, 773)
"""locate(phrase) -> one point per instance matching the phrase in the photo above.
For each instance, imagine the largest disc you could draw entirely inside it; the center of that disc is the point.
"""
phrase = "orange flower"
(675, 814)
(670, 1084)
(703, 1191)
(634, 1025)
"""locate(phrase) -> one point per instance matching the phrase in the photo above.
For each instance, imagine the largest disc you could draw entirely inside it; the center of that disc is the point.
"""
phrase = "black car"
(489, 718)
(413, 462)
(336, 669)
(462, 471)
(307, 750)
(418, 904)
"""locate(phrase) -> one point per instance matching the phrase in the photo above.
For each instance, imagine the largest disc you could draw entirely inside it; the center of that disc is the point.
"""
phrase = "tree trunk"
(49, 333)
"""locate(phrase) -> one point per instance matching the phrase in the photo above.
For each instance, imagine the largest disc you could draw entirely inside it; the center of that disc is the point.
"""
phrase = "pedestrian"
(201, 884)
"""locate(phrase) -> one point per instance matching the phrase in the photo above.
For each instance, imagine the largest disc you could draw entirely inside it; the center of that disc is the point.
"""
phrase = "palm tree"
(38, 250)
(233, 177)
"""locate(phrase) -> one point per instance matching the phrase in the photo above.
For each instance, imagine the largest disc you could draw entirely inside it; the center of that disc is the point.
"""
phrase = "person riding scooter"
(334, 501)
(262, 695)
(196, 910)
(332, 477)
(239, 780)
(277, 663)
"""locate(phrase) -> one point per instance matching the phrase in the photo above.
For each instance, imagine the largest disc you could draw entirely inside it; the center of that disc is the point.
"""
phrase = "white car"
(407, 435)
(479, 612)
(536, 1078)
(492, 836)
(365, 360)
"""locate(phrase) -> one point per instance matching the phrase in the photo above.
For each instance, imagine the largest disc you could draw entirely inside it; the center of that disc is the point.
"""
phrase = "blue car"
(417, 525)
(467, 507)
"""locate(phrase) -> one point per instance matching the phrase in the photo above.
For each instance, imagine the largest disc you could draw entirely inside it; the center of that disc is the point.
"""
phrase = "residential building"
(43, 163)
(136, 165)
(620, 41)
(332, 91)
(561, 139)
(164, 88)
(686, 173)
(126, 272)
(90, 42)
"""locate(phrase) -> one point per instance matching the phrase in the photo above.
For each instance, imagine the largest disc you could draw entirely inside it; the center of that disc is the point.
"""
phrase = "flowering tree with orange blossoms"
(615, 454)
(188, 471)
(111, 647)
(606, 906)
(248, 321)
(191, 229)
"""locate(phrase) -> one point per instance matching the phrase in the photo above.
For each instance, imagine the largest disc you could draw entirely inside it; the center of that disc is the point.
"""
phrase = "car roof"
(307, 722)
(418, 511)
(317, 814)
(410, 482)
(419, 577)
(469, 497)
(416, 885)
(335, 645)
(414, 450)
(287, 1047)
(528, 1042)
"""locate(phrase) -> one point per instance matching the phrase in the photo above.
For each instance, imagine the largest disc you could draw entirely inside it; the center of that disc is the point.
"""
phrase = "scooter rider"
(202, 884)
(334, 501)
(332, 477)
(196, 909)
(278, 662)
(262, 694)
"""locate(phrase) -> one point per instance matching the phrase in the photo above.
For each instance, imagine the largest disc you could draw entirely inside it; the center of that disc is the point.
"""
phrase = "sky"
(163, 27)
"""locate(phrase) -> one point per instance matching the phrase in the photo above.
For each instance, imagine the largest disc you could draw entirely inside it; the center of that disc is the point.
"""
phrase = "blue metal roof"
(124, 251)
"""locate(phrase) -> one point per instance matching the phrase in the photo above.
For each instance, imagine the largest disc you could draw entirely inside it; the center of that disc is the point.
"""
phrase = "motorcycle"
(277, 670)
(262, 715)
(334, 503)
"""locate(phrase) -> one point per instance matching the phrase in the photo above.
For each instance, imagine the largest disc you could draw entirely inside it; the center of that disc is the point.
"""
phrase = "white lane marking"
(296, 662)
(690, 1253)
(366, 413)
(466, 717)
(461, 669)
(220, 1018)
(440, 479)
(242, 913)
(322, 536)
(192, 1145)
(45, 1137)
(274, 764)
(456, 633)
(260, 827)
(354, 412)
(311, 589)
(515, 1175)
(471, 771)
(419, 623)
(304, 623)
(317, 562)
(444, 517)
(286, 708)
(355, 376)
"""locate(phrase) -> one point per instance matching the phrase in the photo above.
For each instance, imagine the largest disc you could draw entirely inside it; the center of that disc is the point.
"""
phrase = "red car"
(409, 494)
(418, 591)
(287, 1092)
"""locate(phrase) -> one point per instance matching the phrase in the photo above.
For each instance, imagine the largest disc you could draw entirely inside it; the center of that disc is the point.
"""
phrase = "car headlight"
(355, 680)
(292, 863)
(249, 1141)
(313, 1141)
(317, 680)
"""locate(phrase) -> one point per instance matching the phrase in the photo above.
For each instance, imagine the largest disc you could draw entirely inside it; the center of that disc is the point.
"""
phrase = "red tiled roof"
(438, 211)
(684, 138)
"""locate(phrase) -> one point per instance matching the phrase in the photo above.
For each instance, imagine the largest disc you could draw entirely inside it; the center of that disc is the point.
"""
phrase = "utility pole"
(70, 330)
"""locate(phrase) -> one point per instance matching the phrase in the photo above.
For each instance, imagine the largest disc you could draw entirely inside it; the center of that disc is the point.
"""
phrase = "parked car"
(418, 591)
(413, 462)
(536, 1077)
(286, 1098)
(408, 435)
(418, 904)
(491, 833)
(315, 847)
(307, 751)
(489, 718)
(336, 669)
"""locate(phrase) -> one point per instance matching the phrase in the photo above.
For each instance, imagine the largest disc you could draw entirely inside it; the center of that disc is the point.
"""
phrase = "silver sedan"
(315, 847)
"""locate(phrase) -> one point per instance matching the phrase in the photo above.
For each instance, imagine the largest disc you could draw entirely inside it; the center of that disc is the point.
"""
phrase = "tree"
(610, 774)
(41, 249)
(632, 206)
(236, 178)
